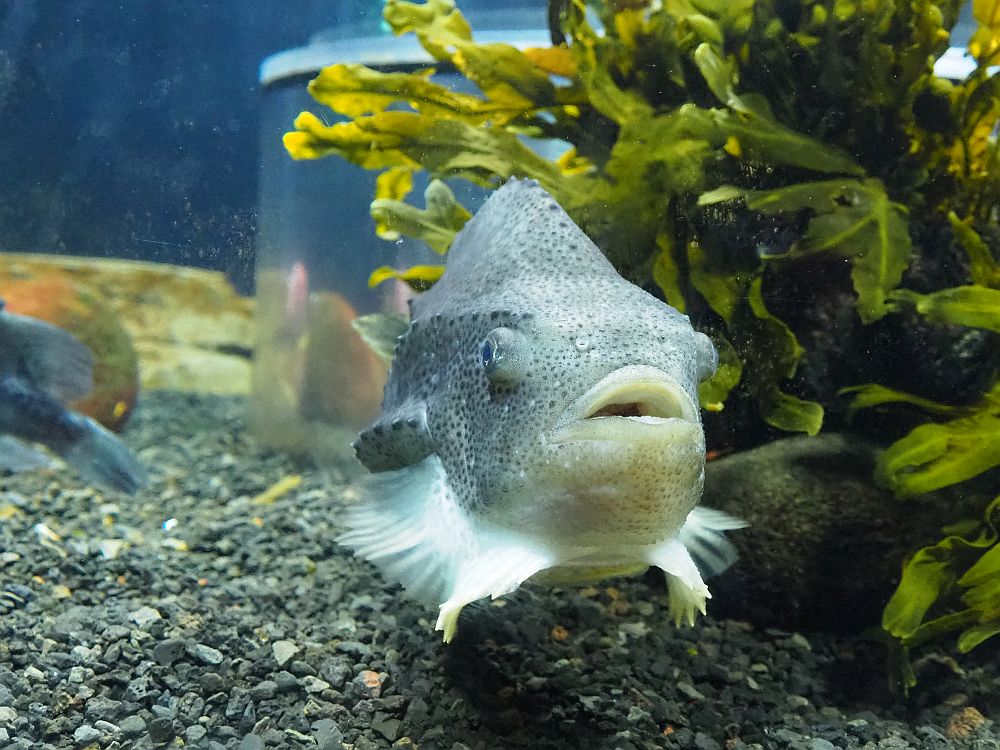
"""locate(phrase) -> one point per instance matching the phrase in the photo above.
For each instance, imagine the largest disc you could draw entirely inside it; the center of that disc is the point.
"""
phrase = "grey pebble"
(286, 682)
(144, 616)
(354, 649)
(132, 726)
(328, 734)
(818, 743)
(206, 654)
(102, 707)
(168, 651)
(195, 733)
(690, 691)
(314, 684)
(703, 741)
(252, 742)
(263, 690)
(388, 728)
(85, 734)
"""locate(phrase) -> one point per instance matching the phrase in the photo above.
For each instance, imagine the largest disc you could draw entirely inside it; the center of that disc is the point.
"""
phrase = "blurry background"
(133, 129)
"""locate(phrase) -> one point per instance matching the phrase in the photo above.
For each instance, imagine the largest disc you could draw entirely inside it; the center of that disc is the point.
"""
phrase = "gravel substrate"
(195, 615)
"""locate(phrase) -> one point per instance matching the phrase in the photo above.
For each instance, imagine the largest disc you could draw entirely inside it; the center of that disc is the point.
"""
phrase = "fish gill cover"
(791, 174)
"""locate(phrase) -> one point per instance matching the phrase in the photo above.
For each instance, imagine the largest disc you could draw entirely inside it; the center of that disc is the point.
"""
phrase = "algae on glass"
(727, 152)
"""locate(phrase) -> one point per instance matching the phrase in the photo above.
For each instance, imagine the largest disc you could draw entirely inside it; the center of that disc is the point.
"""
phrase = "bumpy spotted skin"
(540, 417)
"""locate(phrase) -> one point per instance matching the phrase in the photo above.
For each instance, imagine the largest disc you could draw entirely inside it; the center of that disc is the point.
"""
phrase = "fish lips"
(632, 404)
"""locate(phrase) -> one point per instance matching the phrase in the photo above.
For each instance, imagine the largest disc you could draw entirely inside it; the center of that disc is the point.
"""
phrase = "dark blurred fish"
(42, 368)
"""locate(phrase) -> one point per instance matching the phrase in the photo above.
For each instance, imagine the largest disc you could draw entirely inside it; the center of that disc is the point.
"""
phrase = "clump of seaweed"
(737, 154)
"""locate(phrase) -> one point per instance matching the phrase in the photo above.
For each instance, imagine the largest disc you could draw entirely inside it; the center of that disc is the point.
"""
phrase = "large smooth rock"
(190, 328)
(825, 546)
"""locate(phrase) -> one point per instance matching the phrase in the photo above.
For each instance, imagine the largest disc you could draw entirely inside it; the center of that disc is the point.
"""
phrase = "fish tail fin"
(702, 536)
(101, 457)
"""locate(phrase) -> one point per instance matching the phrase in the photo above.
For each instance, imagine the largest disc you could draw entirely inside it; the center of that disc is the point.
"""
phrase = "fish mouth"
(633, 403)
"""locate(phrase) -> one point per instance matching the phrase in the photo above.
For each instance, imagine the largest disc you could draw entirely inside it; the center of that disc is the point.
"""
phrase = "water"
(179, 580)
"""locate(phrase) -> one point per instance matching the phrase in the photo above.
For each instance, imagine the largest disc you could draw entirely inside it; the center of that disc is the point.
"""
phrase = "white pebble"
(283, 651)
(144, 616)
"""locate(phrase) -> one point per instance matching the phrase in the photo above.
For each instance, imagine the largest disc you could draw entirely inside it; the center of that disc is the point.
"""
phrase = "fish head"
(587, 426)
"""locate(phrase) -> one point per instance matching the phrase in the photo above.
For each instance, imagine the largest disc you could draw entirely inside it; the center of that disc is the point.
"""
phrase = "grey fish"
(540, 420)
(41, 368)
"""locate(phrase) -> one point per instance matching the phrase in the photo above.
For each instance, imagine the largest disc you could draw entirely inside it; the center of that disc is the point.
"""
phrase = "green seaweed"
(687, 123)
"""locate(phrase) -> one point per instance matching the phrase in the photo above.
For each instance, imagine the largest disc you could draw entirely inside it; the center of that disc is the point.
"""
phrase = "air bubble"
(582, 344)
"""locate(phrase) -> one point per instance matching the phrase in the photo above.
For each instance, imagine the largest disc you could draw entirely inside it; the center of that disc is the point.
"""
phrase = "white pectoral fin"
(702, 535)
(410, 524)
(700, 539)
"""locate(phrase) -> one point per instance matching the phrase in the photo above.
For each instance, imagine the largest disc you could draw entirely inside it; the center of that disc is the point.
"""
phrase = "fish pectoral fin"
(498, 569)
(688, 592)
(700, 539)
(397, 440)
(703, 537)
(410, 524)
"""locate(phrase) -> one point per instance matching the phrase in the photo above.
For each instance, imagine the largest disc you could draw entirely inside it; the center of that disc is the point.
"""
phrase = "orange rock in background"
(54, 297)
(343, 377)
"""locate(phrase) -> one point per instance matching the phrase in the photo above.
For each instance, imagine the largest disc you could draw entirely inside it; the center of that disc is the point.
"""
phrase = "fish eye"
(708, 357)
(503, 355)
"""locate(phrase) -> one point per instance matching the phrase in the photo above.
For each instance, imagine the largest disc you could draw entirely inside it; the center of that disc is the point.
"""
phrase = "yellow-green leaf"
(442, 147)
(983, 268)
(355, 90)
(856, 219)
(933, 456)
(394, 184)
(763, 140)
(666, 274)
(975, 635)
(436, 224)
(722, 289)
(972, 306)
(779, 409)
(558, 61)
(437, 24)
(985, 42)
(925, 576)
(872, 394)
(712, 393)
(986, 568)
(420, 278)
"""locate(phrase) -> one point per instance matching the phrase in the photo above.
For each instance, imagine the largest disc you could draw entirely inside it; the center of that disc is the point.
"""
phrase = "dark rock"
(263, 690)
(825, 545)
(161, 730)
(132, 726)
(168, 651)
